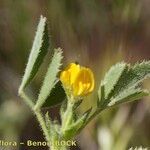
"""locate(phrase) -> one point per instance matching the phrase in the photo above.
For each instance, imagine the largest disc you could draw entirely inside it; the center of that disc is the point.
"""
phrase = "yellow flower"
(77, 80)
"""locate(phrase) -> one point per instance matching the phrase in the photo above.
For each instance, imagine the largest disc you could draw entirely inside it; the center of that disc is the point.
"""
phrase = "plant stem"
(67, 116)
(37, 113)
(54, 140)
(26, 99)
(56, 143)
(42, 123)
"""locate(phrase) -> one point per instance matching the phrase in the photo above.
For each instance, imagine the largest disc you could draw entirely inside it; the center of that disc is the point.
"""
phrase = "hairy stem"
(37, 113)
(42, 123)
(26, 99)
(68, 114)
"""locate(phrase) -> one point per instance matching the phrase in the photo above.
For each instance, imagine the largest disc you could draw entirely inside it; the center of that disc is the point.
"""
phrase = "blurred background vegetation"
(95, 33)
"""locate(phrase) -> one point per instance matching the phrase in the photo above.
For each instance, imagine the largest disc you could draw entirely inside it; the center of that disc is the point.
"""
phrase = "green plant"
(121, 84)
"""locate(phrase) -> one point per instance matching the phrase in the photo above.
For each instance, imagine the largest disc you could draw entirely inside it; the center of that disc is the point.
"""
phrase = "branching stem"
(37, 113)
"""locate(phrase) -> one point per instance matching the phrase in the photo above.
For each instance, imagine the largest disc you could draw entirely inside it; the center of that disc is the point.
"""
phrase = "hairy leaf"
(133, 76)
(50, 79)
(124, 87)
(130, 94)
(38, 52)
(56, 96)
(112, 77)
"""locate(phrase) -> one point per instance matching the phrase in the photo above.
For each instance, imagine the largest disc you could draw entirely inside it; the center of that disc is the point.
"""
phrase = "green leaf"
(50, 79)
(101, 95)
(112, 77)
(127, 87)
(133, 76)
(124, 87)
(56, 96)
(101, 92)
(38, 52)
(129, 95)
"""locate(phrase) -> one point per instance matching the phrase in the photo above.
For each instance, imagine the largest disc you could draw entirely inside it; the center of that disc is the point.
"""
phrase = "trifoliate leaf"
(38, 52)
(124, 87)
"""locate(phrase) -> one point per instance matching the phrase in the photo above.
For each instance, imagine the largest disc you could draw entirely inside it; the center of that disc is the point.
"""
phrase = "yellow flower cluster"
(77, 79)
